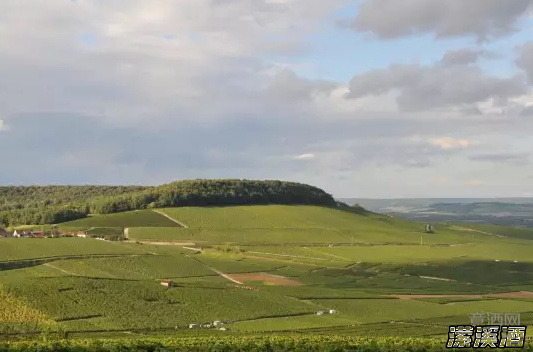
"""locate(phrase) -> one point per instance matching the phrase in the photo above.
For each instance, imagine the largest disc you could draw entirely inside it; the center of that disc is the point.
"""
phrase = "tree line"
(71, 202)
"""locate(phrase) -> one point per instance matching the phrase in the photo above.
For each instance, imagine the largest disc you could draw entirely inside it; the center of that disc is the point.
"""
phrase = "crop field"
(32, 248)
(136, 268)
(385, 310)
(145, 218)
(103, 302)
(365, 266)
(16, 315)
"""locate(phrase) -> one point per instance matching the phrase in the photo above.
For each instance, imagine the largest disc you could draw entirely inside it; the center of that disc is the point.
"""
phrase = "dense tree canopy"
(55, 204)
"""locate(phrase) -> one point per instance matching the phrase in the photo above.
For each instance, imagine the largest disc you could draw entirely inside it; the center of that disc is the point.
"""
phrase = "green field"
(127, 219)
(335, 258)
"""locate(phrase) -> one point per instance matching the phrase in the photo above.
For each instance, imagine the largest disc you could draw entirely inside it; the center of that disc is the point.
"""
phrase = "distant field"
(280, 217)
(146, 218)
(512, 232)
(29, 248)
(377, 310)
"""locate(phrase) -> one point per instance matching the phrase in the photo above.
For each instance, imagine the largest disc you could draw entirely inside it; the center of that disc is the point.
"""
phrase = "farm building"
(332, 311)
(217, 323)
(192, 326)
(167, 283)
(38, 234)
(320, 313)
(81, 234)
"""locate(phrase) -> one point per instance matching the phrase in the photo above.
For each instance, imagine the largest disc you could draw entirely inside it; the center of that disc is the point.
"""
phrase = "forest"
(39, 205)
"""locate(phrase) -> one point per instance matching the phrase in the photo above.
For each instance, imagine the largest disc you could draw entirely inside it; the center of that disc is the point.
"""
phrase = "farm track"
(171, 219)
(520, 294)
(287, 255)
(158, 243)
(62, 270)
(477, 231)
(216, 271)
(288, 261)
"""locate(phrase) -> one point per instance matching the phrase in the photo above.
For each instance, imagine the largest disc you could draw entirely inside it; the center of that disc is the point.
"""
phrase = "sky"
(364, 99)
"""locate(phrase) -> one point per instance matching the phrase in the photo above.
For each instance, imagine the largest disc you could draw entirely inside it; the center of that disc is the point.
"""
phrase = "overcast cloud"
(143, 92)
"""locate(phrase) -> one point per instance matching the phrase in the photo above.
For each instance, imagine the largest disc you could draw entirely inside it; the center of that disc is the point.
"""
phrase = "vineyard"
(260, 269)
(34, 248)
(280, 342)
(145, 218)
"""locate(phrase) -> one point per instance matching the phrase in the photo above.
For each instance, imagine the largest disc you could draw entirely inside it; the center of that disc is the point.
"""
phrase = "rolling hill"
(261, 269)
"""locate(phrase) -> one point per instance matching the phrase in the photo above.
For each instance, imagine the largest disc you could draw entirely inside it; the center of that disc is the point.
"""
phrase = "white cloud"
(447, 143)
(305, 157)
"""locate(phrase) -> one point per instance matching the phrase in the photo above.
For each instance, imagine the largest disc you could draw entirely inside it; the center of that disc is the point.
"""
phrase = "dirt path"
(520, 294)
(168, 217)
(289, 256)
(478, 231)
(62, 270)
(166, 243)
(435, 278)
(216, 271)
(265, 277)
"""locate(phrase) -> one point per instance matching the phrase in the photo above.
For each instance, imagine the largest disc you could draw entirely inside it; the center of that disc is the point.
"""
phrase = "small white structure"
(82, 235)
(332, 311)
(516, 261)
(497, 260)
(16, 234)
(320, 313)
(192, 326)
(217, 323)
(223, 329)
(167, 283)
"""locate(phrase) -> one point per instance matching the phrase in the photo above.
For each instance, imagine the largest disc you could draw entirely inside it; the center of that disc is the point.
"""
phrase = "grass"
(146, 218)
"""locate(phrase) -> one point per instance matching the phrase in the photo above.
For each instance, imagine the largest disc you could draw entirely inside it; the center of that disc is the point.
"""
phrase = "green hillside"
(147, 218)
(293, 224)
(54, 204)
(262, 269)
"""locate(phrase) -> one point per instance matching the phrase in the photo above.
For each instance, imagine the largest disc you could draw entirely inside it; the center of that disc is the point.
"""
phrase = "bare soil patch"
(268, 278)
(521, 294)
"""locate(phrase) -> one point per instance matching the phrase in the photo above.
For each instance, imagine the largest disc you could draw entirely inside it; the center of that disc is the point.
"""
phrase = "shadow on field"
(476, 272)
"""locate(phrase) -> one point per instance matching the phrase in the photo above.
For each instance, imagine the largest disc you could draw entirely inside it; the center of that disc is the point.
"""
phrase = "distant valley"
(516, 212)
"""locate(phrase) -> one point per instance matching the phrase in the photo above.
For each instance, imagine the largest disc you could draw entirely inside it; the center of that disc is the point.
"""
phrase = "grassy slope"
(127, 219)
(293, 224)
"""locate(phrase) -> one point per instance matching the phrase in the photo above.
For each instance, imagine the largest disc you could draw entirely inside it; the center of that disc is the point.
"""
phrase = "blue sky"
(363, 98)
